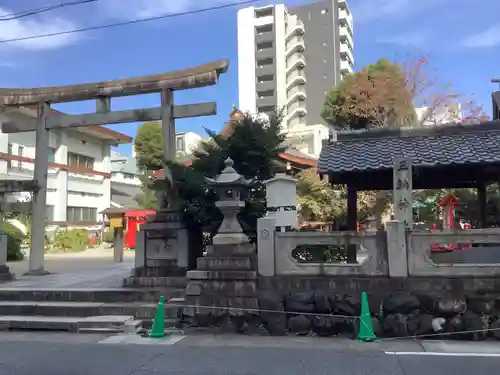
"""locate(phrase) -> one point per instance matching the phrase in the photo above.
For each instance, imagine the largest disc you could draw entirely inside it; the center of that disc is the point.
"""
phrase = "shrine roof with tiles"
(440, 152)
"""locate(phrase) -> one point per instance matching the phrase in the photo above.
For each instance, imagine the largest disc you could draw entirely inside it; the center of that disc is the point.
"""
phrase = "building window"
(263, 29)
(81, 214)
(51, 155)
(264, 94)
(128, 176)
(9, 152)
(266, 109)
(180, 144)
(263, 12)
(49, 213)
(80, 161)
(324, 11)
(20, 152)
(263, 62)
(264, 46)
(265, 78)
(310, 148)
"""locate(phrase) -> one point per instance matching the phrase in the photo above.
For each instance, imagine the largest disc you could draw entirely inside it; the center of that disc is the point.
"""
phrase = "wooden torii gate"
(12, 101)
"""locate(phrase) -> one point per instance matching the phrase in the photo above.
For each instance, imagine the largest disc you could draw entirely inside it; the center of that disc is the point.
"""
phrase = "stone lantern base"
(226, 278)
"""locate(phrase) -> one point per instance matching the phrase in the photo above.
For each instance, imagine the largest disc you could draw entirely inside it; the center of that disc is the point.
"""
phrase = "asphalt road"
(227, 356)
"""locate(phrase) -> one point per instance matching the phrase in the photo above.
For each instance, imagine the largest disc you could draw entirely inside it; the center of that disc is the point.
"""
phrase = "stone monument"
(281, 197)
(162, 248)
(226, 277)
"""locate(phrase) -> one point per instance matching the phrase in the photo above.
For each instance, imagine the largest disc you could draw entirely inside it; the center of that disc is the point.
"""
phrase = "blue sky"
(462, 38)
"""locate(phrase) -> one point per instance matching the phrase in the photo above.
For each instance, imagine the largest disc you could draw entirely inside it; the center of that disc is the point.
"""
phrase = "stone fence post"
(397, 249)
(265, 246)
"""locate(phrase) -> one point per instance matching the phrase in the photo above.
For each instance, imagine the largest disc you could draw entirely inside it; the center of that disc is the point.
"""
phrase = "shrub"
(14, 240)
(71, 240)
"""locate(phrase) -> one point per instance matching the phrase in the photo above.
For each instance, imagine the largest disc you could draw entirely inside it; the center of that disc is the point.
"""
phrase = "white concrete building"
(125, 181)
(289, 58)
(79, 175)
(187, 142)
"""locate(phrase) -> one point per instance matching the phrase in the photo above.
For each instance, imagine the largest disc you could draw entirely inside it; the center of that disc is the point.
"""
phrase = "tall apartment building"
(290, 58)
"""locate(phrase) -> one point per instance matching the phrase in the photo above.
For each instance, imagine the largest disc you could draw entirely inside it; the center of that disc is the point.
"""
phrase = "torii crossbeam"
(15, 102)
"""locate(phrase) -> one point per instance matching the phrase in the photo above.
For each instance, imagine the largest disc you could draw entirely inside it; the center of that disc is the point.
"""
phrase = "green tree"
(148, 145)
(376, 96)
(318, 200)
(254, 147)
(148, 199)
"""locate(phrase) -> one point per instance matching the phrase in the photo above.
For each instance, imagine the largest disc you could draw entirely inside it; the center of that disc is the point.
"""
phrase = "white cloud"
(484, 39)
(130, 9)
(30, 26)
(407, 40)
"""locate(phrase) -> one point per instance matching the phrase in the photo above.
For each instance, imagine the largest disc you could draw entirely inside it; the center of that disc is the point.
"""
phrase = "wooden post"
(118, 246)
(352, 221)
(37, 244)
(481, 196)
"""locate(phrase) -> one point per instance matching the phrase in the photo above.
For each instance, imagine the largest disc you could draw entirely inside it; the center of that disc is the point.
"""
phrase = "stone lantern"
(229, 184)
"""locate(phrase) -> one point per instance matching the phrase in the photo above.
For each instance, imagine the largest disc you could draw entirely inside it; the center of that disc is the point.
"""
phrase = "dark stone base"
(5, 274)
(328, 313)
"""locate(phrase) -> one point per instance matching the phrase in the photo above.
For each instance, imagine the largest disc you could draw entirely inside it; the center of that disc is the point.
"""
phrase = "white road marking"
(442, 354)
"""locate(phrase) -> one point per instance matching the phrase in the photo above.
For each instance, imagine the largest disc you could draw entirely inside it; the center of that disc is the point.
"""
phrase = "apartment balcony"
(296, 93)
(265, 70)
(295, 61)
(346, 36)
(294, 45)
(346, 51)
(296, 77)
(294, 30)
(345, 16)
(265, 85)
(266, 101)
(296, 109)
(264, 37)
(345, 67)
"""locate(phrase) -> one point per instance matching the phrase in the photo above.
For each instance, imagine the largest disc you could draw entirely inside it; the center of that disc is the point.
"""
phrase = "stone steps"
(234, 263)
(85, 310)
(139, 282)
(118, 295)
(144, 311)
(94, 324)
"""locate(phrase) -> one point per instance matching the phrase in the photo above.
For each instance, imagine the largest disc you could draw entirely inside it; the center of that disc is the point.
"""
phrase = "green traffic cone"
(365, 332)
(158, 330)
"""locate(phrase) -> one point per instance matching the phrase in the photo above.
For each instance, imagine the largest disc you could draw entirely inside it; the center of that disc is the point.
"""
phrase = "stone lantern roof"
(228, 176)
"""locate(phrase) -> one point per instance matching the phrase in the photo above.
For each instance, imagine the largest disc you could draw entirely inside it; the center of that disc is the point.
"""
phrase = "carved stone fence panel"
(294, 254)
(454, 254)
